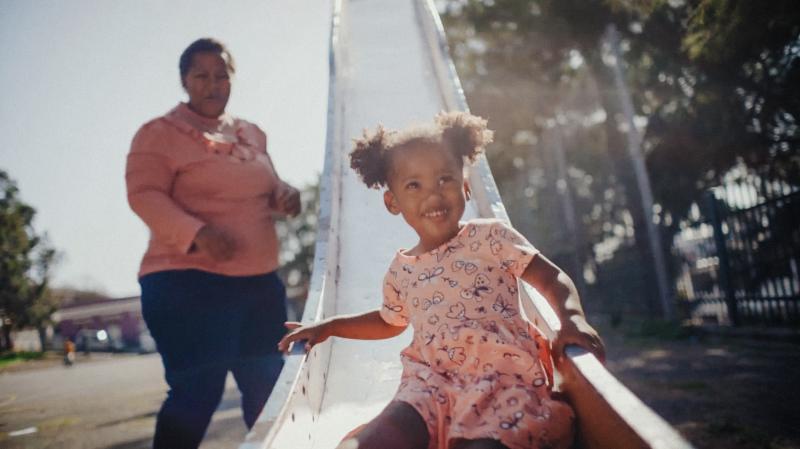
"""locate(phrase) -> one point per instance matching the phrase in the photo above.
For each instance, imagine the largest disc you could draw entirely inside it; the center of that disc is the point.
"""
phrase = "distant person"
(204, 184)
(477, 374)
(69, 352)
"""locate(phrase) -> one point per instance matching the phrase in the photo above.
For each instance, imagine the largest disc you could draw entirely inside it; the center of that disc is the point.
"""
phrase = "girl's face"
(426, 186)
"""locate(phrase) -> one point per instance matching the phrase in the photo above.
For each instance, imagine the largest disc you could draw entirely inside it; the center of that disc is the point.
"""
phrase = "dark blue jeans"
(205, 325)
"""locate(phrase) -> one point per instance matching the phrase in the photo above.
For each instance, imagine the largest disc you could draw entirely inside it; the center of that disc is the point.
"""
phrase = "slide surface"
(389, 65)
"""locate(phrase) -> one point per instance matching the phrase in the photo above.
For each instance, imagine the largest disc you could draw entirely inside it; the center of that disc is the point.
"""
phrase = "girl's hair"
(204, 45)
(463, 134)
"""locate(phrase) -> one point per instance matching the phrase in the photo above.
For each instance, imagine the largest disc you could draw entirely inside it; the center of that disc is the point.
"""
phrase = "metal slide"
(389, 64)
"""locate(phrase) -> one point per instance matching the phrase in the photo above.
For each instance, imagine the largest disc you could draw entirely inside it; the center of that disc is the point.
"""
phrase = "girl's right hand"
(217, 244)
(312, 333)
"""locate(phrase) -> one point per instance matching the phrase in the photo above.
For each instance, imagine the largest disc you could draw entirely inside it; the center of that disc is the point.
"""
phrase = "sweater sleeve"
(149, 175)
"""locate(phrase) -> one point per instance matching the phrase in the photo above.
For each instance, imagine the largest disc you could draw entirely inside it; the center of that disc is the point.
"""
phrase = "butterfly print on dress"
(509, 264)
(459, 312)
(394, 308)
(451, 248)
(430, 275)
(504, 308)
(480, 287)
(450, 281)
(469, 267)
(455, 354)
(437, 298)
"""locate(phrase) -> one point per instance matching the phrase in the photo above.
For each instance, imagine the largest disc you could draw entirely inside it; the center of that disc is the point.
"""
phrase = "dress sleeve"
(149, 175)
(511, 249)
(393, 309)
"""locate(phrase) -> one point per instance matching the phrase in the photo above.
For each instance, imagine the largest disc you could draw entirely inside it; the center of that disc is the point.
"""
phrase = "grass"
(658, 329)
(11, 358)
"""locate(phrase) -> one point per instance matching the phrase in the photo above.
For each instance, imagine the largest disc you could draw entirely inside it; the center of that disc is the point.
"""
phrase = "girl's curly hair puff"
(464, 134)
(461, 133)
(369, 158)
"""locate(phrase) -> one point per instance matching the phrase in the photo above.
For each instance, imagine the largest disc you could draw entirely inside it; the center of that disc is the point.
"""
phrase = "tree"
(25, 262)
(298, 237)
(713, 83)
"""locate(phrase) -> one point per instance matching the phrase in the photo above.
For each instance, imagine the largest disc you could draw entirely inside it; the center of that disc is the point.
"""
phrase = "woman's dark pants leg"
(205, 325)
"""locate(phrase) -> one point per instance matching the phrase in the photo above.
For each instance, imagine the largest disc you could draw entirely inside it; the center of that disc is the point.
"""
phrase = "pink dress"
(475, 367)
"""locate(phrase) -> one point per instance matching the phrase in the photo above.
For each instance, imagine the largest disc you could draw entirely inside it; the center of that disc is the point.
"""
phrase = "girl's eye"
(412, 185)
(445, 179)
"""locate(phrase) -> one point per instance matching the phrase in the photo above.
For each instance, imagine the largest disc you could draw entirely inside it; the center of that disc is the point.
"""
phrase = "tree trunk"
(8, 342)
(624, 170)
(42, 330)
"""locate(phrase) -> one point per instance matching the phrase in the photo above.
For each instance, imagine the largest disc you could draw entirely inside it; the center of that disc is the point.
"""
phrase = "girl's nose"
(435, 193)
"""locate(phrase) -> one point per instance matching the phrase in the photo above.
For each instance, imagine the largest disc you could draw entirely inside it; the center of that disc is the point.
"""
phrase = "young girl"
(476, 374)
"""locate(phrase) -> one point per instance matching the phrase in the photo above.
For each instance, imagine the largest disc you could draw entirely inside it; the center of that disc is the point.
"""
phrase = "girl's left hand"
(576, 331)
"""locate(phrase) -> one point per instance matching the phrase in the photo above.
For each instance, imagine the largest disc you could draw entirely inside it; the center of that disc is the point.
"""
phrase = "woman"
(205, 186)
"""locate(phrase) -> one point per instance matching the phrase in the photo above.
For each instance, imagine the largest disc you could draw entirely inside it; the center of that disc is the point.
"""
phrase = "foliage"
(713, 84)
(298, 238)
(25, 262)
(12, 358)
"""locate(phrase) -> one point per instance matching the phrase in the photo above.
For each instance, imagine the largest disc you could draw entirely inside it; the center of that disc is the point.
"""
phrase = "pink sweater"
(185, 171)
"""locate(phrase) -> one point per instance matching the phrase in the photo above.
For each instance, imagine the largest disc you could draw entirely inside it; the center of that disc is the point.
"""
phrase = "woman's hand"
(287, 200)
(576, 331)
(312, 333)
(217, 244)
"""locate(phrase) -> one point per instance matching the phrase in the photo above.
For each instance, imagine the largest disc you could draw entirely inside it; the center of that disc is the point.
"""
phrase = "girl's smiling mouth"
(437, 213)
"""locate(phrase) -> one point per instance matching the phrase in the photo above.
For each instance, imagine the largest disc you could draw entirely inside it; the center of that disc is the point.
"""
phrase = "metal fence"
(741, 258)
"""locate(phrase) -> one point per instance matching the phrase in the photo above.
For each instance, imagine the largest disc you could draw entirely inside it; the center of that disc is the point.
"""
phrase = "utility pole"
(634, 140)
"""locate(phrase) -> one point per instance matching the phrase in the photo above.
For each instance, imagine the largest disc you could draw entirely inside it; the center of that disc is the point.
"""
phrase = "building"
(103, 324)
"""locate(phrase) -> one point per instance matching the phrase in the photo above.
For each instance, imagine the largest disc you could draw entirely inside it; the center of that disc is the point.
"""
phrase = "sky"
(80, 77)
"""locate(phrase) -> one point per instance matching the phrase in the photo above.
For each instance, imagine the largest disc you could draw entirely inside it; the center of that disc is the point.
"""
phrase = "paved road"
(104, 403)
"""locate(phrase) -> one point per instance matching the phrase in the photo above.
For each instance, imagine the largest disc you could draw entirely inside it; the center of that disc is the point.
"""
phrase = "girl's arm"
(559, 290)
(363, 326)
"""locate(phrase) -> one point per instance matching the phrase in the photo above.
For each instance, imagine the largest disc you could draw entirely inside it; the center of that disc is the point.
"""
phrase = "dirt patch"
(719, 392)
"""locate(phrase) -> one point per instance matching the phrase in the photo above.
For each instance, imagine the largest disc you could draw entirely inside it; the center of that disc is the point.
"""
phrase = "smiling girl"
(477, 374)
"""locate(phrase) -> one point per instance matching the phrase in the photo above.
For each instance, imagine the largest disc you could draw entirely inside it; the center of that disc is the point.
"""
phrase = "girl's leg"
(484, 443)
(398, 426)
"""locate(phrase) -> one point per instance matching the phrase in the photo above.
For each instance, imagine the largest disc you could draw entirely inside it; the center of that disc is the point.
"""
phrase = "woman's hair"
(204, 45)
(462, 134)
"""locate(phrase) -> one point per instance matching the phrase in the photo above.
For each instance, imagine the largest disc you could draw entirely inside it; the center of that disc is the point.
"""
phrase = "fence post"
(715, 215)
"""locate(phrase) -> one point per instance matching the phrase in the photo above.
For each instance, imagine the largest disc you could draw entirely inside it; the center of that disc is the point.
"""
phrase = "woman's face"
(208, 84)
